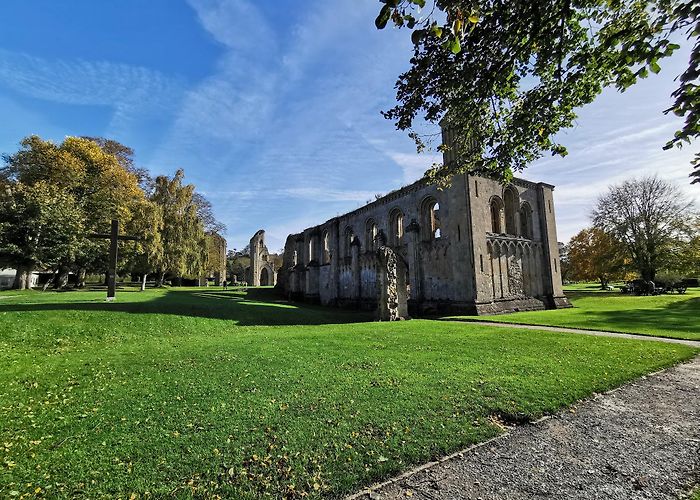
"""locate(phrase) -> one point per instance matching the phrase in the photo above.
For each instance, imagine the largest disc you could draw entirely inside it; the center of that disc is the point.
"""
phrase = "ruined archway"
(264, 277)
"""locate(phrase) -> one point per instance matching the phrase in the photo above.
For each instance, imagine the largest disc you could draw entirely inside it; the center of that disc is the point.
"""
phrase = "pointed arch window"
(496, 215)
(396, 227)
(430, 218)
(370, 234)
(511, 200)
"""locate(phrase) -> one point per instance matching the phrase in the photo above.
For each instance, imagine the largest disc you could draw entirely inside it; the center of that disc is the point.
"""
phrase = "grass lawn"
(672, 315)
(200, 392)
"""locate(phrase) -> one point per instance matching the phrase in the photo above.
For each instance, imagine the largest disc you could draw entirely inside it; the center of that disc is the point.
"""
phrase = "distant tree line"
(641, 227)
(53, 196)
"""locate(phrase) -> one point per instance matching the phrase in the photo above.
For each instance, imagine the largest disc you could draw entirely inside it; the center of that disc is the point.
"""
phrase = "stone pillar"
(392, 304)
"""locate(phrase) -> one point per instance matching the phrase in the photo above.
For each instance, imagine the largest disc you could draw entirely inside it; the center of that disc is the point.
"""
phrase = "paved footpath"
(640, 441)
(599, 333)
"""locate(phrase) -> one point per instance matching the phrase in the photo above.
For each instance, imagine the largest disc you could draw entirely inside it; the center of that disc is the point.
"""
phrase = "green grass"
(199, 392)
(672, 315)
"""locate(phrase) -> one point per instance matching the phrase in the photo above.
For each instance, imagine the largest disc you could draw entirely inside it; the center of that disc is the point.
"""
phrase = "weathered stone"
(262, 270)
(474, 247)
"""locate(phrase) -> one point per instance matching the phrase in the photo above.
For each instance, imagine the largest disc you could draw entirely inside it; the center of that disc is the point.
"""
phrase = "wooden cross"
(114, 238)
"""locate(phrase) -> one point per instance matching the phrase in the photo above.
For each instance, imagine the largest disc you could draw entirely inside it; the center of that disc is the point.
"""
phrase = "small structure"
(7, 278)
(262, 270)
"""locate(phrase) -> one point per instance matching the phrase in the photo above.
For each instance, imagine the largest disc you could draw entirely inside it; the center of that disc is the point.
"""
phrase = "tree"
(183, 236)
(147, 253)
(595, 255)
(564, 261)
(205, 213)
(237, 262)
(504, 76)
(40, 226)
(649, 216)
(97, 182)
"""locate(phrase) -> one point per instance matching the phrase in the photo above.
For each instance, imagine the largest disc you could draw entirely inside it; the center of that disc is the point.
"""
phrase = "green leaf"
(654, 67)
(455, 46)
(383, 17)
(419, 3)
(437, 30)
(473, 19)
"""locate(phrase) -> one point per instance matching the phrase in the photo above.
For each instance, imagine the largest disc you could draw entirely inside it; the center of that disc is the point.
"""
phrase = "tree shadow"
(680, 316)
(251, 307)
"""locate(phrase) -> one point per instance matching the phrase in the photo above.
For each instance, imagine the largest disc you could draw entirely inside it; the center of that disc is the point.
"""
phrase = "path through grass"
(203, 392)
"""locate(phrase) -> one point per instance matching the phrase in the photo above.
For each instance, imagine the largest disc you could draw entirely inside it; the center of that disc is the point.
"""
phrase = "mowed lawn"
(200, 392)
(671, 315)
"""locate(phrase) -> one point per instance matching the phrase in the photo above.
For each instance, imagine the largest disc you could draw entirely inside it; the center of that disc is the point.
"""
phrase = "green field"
(200, 392)
(672, 315)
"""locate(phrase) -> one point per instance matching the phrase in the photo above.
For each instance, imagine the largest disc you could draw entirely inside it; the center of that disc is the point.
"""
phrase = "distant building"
(7, 278)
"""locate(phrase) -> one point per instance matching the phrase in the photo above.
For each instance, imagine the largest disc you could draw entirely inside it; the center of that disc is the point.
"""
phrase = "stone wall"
(474, 247)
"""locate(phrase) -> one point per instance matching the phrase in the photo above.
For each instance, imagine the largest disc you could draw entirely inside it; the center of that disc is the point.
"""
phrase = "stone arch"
(325, 248)
(430, 218)
(511, 201)
(396, 229)
(371, 232)
(497, 211)
(348, 237)
(264, 277)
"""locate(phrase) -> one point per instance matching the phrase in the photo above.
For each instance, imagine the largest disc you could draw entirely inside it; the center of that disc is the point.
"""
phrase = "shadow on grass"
(251, 307)
(682, 315)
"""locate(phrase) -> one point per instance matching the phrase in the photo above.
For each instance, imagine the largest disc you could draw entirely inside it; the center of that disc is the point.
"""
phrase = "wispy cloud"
(131, 92)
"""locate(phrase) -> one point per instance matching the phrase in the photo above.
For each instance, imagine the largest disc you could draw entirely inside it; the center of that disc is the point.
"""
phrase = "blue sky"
(272, 106)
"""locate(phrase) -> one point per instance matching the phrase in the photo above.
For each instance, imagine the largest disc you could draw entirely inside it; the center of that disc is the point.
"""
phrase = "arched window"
(312, 248)
(526, 220)
(347, 242)
(370, 234)
(430, 216)
(326, 248)
(496, 215)
(396, 227)
(511, 200)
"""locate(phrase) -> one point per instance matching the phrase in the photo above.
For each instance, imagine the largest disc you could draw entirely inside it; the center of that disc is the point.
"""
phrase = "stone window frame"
(396, 229)
(511, 207)
(526, 226)
(371, 232)
(348, 236)
(325, 242)
(497, 218)
(430, 218)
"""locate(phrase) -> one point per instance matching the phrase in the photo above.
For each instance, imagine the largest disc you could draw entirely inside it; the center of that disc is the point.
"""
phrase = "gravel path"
(640, 441)
(600, 333)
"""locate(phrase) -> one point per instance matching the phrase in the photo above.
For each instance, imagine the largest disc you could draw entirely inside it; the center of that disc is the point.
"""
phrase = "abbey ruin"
(476, 247)
(262, 270)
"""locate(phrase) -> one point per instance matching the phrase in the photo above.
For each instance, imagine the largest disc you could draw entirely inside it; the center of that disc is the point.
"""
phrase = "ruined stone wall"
(452, 258)
(262, 270)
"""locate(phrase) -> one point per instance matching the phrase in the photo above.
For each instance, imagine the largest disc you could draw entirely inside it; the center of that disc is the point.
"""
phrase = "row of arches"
(430, 227)
(509, 216)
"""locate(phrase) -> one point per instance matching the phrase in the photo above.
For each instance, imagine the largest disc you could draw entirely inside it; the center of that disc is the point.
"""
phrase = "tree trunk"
(143, 282)
(160, 279)
(61, 278)
(23, 278)
(81, 277)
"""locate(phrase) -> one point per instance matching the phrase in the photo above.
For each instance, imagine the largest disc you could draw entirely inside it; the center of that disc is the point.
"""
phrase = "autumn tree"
(100, 186)
(505, 76)
(40, 226)
(183, 236)
(595, 255)
(649, 216)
